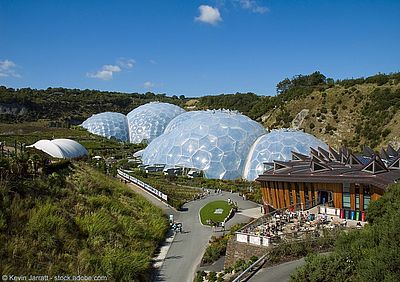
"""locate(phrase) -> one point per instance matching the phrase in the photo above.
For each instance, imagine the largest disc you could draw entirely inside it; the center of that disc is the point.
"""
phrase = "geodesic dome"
(278, 145)
(214, 141)
(149, 121)
(109, 125)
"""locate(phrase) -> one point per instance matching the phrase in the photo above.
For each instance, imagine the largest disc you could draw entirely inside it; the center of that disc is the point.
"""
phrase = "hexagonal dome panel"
(109, 125)
(149, 121)
(215, 141)
(278, 145)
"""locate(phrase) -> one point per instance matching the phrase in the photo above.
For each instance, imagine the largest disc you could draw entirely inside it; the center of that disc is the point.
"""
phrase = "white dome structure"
(214, 141)
(60, 148)
(149, 121)
(109, 125)
(278, 145)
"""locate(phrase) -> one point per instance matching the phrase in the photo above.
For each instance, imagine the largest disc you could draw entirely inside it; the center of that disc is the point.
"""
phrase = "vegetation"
(208, 215)
(27, 133)
(217, 245)
(177, 195)
(370, 254)
(367, 106)
(74, 220)
(66, 107)
(181, 189)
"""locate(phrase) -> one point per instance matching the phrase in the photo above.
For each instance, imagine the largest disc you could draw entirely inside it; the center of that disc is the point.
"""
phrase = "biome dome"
(60, 148)
(149, 121)
(278, 145)
(109, 125)
(214, 141)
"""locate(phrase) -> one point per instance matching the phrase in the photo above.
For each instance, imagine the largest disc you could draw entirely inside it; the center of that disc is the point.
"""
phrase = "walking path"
(278, 273)
(183, 255)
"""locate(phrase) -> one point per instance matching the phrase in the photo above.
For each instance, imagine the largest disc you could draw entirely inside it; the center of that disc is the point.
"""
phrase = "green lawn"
(208, 211)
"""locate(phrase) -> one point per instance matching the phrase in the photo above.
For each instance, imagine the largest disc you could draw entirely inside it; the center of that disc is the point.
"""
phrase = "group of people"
(290, 222)
(177, 227)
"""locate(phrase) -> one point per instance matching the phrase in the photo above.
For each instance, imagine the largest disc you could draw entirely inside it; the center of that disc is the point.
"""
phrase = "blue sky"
(193, 48)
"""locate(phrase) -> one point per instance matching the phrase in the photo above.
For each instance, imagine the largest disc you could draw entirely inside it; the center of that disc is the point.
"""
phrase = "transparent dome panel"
(109, 125)
(150, 120)
(216, 142)
(278, 145)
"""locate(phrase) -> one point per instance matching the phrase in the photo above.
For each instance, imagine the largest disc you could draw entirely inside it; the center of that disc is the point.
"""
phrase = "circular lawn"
(215, 211)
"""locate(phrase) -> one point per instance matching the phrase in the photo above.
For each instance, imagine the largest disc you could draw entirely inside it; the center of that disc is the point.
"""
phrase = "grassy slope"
(87, 224)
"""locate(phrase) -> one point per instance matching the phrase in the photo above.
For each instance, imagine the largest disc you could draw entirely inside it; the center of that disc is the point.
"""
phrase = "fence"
(143, 185)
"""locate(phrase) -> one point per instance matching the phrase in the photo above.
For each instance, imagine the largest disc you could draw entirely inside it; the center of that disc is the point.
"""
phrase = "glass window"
(346, 195)
(367, 197)
(357, 197)
(307, 198)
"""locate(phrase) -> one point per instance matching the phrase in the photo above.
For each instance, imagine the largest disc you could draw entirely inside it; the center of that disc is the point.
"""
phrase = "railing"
(250, 268)
(143, 185)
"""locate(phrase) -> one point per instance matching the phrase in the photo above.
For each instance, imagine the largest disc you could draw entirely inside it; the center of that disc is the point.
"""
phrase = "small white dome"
(60, 148)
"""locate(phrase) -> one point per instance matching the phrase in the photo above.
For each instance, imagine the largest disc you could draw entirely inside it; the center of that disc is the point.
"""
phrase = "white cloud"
(7, 69)
(253, 6)
(153, 62)
(111, 68)
(126, 63)
(208, 15)
(107, 71)
(148, 84)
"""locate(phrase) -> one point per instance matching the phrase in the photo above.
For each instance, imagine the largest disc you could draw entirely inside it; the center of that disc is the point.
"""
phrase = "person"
(223, 225)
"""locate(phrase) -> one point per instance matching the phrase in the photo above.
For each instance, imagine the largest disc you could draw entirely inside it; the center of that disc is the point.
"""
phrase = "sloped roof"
(337, 167)
(60, 148)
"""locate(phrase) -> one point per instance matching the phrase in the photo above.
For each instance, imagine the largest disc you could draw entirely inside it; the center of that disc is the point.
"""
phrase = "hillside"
(69, 106)
(75, 221)
(350, 112)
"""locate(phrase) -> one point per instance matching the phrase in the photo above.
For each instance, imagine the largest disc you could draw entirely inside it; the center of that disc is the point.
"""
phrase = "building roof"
(60, 148)
(330, 166)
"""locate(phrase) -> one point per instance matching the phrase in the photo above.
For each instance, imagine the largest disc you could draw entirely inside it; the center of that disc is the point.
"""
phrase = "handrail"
(237, 279)
(143, 185)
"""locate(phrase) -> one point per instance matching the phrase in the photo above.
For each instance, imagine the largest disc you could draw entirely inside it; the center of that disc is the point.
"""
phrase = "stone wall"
(236, 250)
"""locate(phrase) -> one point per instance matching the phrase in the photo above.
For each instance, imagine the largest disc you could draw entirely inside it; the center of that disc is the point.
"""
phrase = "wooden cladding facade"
(305, 195)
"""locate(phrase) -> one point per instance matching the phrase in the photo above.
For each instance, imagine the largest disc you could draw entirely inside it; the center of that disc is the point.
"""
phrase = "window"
(357, 197)
(346, 195)
(306, 197)
(367, 197)
(296, 185)
(313, 195)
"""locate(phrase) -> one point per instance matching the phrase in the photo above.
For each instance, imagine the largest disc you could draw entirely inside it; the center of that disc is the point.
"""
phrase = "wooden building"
(340, 179)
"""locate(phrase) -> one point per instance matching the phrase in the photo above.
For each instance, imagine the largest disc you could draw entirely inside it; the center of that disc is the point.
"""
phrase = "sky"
(193, 48)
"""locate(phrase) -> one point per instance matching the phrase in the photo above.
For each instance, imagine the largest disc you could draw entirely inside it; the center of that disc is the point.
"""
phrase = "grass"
(78, 221)
(207, 212)
(177, 195)
(30, 132)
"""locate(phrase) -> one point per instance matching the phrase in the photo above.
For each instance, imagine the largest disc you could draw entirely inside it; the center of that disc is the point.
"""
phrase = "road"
(187, 248)
(278, 273)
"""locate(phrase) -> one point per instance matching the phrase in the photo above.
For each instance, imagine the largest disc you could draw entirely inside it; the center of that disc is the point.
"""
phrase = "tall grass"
(77, 223)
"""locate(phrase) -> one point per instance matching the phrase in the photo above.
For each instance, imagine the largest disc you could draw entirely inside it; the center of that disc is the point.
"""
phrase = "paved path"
(187, 248)
(278, 273)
